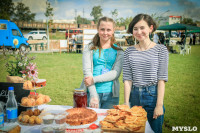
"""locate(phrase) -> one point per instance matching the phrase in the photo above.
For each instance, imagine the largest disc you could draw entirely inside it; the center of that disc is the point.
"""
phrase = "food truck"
(11, 37)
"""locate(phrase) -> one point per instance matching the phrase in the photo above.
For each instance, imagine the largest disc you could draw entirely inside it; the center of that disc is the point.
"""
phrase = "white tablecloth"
(56, 108)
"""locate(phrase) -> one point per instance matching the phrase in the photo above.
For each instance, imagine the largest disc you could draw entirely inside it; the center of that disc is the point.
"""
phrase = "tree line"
(21, 12)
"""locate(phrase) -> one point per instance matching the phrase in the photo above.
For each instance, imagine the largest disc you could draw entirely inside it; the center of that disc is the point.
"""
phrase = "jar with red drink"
(80, 98)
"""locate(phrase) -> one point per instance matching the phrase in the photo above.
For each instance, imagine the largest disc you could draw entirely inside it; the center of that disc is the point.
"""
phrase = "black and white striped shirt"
(146, 67)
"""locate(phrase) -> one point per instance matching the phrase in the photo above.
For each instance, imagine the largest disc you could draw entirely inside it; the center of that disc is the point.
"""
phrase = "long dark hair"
(96, 39)
(144, 17)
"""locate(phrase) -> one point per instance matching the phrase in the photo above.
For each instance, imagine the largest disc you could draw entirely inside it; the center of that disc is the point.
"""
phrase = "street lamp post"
(47, 33)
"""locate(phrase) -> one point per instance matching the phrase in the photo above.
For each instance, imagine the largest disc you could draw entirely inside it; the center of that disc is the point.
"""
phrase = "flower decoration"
(30, 71)
(19, 64)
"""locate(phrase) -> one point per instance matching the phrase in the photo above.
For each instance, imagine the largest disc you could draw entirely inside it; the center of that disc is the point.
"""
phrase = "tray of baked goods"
(35, 100)
(34, 85)
(30, 117)
(124, 119)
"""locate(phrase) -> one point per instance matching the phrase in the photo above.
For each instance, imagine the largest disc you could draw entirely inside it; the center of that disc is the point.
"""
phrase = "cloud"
(36, 6)
(125, 4)
(153, 3)
(191, 9)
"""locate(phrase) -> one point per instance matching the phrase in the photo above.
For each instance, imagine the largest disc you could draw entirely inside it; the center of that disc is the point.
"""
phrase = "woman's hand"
(88, 81)
(94, 102)
(127, 104)
(158, 111)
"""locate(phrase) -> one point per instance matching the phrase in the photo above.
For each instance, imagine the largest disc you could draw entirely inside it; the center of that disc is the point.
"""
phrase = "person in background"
(79, 42)
(162, 38)
(145, 71)
(102, 65)
(71, 46)
(191, 36)
(182, 38)
(194, 38)
(156, 39)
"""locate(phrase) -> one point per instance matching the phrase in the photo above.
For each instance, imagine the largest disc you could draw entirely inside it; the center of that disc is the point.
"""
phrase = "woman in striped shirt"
(145, 71)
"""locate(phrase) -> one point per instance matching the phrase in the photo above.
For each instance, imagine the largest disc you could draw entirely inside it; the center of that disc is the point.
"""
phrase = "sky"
(68, 9)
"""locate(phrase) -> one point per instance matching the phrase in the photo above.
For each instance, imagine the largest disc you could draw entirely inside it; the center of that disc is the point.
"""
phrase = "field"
(182, 96)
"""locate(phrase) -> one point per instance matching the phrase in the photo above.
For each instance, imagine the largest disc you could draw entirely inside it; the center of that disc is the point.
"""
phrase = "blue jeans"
(106, 100)
(146, 97)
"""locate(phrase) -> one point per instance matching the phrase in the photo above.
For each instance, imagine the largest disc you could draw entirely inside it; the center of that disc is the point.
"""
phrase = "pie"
(80, 116)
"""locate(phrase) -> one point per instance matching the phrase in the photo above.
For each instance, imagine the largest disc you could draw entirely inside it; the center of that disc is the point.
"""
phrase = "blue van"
(11, 37)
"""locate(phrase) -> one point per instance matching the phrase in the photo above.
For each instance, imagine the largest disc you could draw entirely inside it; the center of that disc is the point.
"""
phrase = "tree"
(49, 11)
(96, 13)
(23, 13)
(6, 9)
(114, 14)
(49, 14)
(81, 20)
(124, 22)
(188, 21)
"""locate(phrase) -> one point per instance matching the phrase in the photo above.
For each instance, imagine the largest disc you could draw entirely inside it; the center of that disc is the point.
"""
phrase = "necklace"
(146, 48)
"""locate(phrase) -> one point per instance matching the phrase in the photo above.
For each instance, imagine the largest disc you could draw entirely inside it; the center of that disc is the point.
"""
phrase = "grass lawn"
(182, 96)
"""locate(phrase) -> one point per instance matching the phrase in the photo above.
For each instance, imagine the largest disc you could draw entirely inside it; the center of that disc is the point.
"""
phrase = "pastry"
(125, 119)
(32, 96)
(30, 102)
(24, 101)
(38, 120)
(27, 85)
(47, 99)
(20, 117)
(31, 120)
(39, 101)
(25, 119)
(36, 112)
(28, 117)
(80, 116)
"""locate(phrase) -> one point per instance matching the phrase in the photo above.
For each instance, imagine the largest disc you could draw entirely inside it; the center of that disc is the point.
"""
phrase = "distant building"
(168, 20)
(174, 19)
(64, 21)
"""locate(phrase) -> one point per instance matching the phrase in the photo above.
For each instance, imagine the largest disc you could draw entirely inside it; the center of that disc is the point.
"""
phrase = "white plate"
(34, 88)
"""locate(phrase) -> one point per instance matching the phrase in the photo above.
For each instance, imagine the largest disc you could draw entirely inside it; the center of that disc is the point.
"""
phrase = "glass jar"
(80, 98)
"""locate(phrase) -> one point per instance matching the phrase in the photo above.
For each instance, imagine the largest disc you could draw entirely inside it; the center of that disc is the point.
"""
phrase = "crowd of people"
(161, 39)
(144, 83)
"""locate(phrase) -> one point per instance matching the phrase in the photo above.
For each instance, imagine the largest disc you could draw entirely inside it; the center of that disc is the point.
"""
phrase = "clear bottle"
(1, 116)
(11, 106)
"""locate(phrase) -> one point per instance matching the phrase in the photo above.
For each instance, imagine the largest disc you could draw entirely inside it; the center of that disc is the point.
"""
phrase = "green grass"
(182, 96)
(57, 36)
